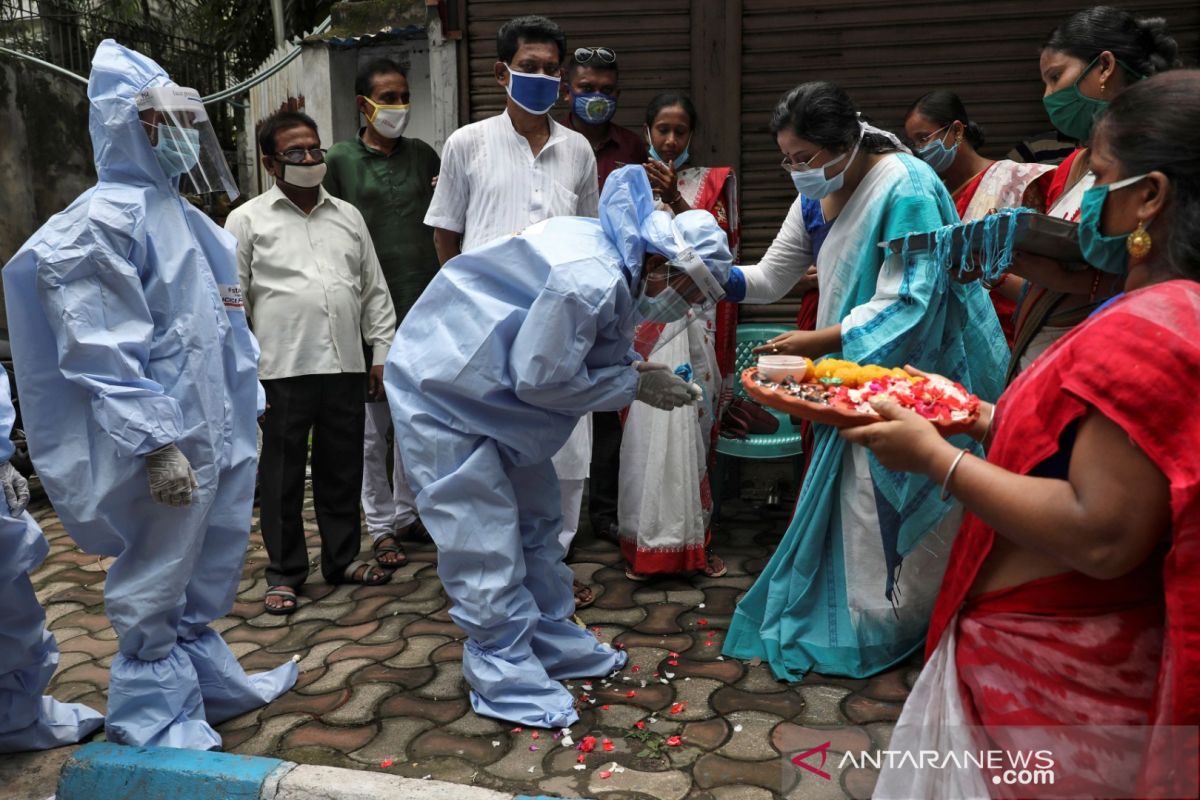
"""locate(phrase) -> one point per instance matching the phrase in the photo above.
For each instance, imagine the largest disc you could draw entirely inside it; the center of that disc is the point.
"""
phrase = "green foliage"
(245, 29)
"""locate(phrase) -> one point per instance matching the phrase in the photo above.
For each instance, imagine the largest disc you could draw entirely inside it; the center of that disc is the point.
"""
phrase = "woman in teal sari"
(850, 588)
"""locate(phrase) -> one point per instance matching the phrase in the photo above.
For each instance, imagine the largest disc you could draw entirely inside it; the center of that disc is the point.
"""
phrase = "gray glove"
(171, 476)
(16, 489)
(661, 388)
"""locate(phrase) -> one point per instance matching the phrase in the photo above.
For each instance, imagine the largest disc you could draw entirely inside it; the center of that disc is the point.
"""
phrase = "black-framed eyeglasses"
(296, 155)
(604, 54)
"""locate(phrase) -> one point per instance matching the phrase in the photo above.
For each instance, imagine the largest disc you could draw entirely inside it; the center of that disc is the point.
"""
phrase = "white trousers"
(571, 466)
(387, 508)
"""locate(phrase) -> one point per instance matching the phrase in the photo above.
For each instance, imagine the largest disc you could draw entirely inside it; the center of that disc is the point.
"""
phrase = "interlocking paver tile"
(672, 785)
(888, 686)
(790, 738)
(375, 652)
(784, 704)
(410, 678)
(381, 679)
(392, 740)
(266, 739)
(360, 708)
(439, 742)
(727, 671)
(707, 735)
(332, 737)
(753, 741)
(713, 770)
(313, 705)
(416, 651)
(861, 709)
(441, 712)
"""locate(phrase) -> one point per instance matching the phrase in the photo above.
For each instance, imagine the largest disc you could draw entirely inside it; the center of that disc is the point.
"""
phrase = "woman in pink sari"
(665, 499)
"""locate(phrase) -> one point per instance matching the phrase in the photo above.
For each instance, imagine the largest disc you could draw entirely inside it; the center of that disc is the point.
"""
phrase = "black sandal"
(378, 548)
(286, 592)
(371, 576)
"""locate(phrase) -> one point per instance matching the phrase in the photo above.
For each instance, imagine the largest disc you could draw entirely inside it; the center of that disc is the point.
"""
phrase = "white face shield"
(184, 141)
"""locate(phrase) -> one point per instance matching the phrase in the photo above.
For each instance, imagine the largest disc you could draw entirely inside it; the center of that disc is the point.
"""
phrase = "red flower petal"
(674, 741)
(608, 745)
(675, 709)
(387, 762)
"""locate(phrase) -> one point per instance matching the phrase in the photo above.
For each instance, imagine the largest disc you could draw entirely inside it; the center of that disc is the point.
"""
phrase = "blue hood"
(123, 152)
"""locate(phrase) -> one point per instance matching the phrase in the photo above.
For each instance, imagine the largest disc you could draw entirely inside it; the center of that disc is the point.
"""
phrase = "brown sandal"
(715, 568)
(584, 596)
(379, 549)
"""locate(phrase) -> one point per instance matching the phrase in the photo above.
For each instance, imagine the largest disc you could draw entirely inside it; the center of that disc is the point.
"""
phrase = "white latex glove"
(663, 389)
(171, 476)
(16, 489)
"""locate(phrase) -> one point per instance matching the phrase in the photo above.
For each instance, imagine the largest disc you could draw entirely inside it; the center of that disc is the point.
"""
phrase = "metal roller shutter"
(887, 53)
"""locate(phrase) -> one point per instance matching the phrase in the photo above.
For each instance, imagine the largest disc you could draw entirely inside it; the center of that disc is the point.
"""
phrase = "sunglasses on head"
(585, 54)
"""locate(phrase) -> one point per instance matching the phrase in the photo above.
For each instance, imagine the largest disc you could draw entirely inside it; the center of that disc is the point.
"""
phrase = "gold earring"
(1139, 242)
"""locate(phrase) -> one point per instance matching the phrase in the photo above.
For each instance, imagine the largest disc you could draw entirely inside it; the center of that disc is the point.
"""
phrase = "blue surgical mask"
(594, 108)
(680, 159)
(813, 184)
(177, 150)
(666, 306)
(937, 155)
(532, 91)
(1106, 253)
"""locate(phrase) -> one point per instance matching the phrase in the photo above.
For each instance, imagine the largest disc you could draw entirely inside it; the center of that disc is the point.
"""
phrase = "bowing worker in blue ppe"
(28, 653)
(510, 344)
(138, 377)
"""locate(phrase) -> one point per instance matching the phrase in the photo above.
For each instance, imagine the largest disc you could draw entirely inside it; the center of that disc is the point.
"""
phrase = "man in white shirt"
(313, 291)
(503, 174)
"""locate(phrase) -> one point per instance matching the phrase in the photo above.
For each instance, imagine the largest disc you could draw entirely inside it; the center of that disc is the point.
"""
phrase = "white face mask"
(306, 176)
(388, 121)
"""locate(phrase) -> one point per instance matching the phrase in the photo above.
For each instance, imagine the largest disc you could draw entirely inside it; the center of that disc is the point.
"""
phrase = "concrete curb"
(116, 772)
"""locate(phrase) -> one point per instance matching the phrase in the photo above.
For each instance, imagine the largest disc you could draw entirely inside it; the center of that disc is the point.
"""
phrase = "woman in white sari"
(665, 501)
(833, 598)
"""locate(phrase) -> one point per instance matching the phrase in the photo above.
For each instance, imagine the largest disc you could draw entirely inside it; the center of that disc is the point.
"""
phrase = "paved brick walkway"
(381, 683)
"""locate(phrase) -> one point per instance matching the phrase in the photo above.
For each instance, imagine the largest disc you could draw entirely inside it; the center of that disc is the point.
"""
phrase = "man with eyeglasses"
(503, 174)
(313, 291)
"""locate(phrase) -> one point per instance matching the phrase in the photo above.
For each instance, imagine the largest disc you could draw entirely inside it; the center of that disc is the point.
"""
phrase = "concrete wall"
(45, 150)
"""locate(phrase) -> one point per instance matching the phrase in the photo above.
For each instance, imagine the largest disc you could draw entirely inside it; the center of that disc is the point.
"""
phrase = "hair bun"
(974, 135)
(1162, 49)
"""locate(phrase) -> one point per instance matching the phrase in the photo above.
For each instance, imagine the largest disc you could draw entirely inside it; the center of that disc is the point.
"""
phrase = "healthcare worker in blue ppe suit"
(510, 344)
(140, 395)
(28, 653)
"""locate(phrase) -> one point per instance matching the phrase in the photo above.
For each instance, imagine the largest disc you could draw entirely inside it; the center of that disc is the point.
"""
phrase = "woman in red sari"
(665, 499)
(945, 138)
(1072, 597)
(1087, 61)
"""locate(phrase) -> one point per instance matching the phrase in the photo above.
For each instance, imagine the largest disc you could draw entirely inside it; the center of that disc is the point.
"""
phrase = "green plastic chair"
(783, 443)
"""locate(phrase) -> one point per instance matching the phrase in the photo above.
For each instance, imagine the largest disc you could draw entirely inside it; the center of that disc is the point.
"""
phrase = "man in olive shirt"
(390, 179)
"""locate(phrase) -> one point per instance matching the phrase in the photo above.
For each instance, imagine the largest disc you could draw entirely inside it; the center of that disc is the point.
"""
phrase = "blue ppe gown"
(128, 335)
(28, 653)
(508, 346)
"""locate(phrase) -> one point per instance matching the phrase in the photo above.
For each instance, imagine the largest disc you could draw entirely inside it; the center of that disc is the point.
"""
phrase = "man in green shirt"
(390, 179)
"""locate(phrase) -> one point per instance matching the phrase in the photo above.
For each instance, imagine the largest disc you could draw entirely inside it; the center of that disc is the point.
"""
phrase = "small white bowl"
(780, 368)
